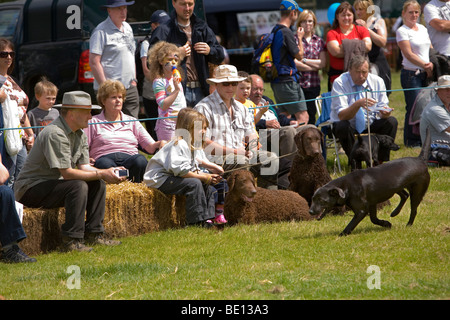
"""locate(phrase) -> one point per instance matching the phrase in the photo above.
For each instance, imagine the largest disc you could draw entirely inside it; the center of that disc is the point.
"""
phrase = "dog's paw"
(385, 224)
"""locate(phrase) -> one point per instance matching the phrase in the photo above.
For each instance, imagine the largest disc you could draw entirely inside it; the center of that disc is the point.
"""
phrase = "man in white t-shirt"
(112, 48)
(437, 18)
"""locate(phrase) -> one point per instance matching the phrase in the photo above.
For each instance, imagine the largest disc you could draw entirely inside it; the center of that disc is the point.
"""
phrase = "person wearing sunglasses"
(17, 98)
(232, 140)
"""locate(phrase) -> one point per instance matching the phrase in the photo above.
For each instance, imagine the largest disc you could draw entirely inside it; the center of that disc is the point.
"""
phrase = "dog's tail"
(425, 152)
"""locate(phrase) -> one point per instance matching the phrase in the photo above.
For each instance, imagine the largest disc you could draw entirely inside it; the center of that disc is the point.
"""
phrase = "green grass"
(283, 261)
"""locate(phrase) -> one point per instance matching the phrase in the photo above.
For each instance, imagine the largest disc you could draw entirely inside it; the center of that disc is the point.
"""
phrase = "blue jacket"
(200, 33)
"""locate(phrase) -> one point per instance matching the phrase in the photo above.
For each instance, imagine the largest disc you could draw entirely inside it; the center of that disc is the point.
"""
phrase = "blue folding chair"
(323, 107)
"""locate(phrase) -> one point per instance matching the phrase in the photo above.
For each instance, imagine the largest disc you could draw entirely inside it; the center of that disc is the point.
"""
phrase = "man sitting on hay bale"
(57, 173)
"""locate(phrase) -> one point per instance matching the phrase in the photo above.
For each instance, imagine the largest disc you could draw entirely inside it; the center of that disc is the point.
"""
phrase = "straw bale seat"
(131, 209)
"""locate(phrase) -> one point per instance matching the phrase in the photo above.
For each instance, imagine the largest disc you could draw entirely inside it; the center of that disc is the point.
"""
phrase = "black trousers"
(84, 202)
(346, 134)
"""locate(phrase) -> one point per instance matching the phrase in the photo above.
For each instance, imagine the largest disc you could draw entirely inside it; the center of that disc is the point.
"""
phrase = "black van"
(51, 38)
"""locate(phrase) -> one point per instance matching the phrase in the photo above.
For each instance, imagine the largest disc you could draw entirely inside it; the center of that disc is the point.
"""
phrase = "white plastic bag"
(13, 138)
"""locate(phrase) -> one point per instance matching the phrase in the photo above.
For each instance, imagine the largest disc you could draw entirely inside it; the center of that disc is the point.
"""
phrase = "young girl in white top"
(162, 57)
(181, 168)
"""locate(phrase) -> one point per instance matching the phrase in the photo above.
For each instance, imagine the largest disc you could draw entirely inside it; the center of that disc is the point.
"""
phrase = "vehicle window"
(8, 22)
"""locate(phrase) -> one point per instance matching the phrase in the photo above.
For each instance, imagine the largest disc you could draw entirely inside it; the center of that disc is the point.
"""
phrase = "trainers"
(74, 244)
(99, 238)
(16, 255)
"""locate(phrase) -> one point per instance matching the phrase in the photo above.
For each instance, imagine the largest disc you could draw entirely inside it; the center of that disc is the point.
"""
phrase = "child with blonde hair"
(45, 93)
(162, 57)
(182, 168)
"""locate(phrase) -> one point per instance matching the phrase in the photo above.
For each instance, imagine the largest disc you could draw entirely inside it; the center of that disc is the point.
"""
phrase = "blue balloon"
(332, 12)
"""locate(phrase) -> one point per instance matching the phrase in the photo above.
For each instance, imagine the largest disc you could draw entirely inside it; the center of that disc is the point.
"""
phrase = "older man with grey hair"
(436, 117)
(359, 100)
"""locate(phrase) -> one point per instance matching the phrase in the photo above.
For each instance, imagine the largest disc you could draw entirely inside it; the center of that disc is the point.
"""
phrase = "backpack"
(262, 61)
(139, 71)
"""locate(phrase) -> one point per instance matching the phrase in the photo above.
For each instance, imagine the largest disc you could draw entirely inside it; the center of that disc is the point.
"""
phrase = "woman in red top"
(343, 27)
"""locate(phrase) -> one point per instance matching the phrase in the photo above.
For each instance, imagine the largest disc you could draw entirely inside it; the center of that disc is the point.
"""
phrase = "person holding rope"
(232, 139)
(182, 168)
(359, 104)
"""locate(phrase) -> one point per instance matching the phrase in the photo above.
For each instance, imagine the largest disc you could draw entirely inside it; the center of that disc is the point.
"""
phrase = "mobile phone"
(122, 173)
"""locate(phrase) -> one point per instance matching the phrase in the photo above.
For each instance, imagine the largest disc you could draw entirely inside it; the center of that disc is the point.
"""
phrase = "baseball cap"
(159, 16)
(289, 5)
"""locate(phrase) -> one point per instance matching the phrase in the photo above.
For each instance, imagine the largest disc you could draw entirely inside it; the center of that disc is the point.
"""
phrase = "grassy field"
(283, 261)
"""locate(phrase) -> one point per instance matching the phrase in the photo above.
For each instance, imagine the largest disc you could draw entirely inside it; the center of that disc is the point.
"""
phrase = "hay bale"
(133, 209)
(130, 209)
(43, 229)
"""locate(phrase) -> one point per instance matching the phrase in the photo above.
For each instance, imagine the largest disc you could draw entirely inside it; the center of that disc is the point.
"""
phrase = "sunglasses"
(227, 84)
(4, 54)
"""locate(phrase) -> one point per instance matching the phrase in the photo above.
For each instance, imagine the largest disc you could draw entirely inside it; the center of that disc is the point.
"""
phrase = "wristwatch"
(304, 60)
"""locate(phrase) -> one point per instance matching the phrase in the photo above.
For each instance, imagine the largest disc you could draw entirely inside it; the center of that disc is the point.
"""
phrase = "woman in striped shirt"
(314, 59)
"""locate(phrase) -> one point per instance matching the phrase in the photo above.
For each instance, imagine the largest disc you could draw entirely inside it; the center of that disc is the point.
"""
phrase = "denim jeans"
(135, 164)
(11, 229)
(193, 96)
(200, 202)
(408, 80)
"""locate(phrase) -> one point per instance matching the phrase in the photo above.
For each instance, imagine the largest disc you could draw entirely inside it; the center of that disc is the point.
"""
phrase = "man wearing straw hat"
(436, 117)
(57, 173)
(231, 127)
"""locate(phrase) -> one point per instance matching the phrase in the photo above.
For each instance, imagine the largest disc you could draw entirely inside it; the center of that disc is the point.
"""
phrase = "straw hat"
(225, 73)
(77, 100)
(444, 81)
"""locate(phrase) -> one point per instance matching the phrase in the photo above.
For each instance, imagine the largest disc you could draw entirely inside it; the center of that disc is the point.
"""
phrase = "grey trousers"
(200, 203)
(131, 104)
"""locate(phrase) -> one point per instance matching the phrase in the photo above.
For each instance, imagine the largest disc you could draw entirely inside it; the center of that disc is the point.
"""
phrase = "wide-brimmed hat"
(117, 3)
(444, 81)
(225, 73)
(77, 100)
(159, 16)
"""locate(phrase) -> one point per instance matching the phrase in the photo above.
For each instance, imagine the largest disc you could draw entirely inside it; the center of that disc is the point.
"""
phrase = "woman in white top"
(415, 44)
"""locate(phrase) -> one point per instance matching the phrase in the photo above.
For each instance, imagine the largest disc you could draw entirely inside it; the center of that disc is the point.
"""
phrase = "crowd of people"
(208, 123)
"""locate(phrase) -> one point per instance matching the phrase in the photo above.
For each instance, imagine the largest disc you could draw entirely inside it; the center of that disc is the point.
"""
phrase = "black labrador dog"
(360, 151)
(362, 190)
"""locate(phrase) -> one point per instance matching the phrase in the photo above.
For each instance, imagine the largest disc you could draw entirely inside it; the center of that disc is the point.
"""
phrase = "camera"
(122, 172)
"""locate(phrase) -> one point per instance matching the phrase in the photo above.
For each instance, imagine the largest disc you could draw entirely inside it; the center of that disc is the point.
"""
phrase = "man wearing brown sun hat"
(57, 173)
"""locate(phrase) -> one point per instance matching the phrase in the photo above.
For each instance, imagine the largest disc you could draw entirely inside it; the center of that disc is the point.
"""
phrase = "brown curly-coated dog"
(246, 203)
(309, 171)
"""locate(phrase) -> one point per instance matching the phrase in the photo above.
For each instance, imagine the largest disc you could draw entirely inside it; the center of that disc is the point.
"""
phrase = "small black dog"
(362, 190)
(360, 151)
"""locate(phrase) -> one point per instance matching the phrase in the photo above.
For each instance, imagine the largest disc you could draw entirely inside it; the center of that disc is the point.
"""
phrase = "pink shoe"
(219, 219)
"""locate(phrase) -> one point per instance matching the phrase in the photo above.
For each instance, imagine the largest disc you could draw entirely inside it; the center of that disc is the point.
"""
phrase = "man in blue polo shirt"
(285, 49)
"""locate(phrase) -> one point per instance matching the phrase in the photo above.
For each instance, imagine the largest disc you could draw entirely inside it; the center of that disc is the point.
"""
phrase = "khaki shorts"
(290, 95)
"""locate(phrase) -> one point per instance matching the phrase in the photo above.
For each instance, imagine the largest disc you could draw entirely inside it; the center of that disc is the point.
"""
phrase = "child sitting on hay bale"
(175, 169)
